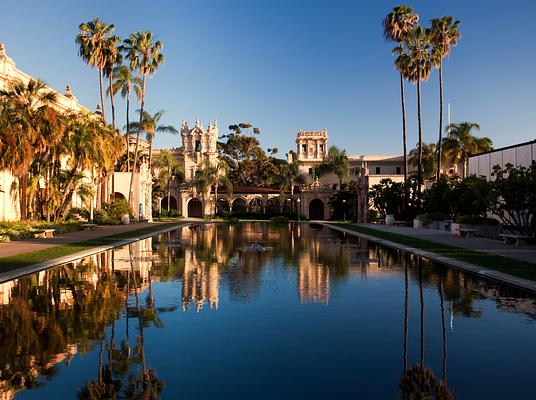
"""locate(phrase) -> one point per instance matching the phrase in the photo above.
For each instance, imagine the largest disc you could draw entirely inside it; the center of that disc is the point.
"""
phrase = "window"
(398, 170)
(304, 148)
(198, 145)
(378, 170)
(310, 171)
(321, 147)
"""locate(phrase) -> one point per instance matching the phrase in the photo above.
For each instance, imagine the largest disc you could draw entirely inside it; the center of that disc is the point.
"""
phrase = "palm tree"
(168, 167)
(290, 177)
(145, 57)
(113, 58)
(212, 175)
(396, 26)
(336, 162)
(149, 124)
(124, 83)
(92, 39)
(416, 65)
(445, 34)
(24, 108)
(460, 142)
(429, 151)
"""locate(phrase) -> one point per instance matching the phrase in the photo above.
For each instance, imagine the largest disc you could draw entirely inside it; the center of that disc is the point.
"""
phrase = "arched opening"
(222, 205)
(290, 206)
(173, 205)
(195, 208)
(256, 206)
(316, 209)
(239, 205)
(273, 206)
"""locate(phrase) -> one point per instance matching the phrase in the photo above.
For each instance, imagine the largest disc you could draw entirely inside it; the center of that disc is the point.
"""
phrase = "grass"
(507, 265)
(22, 260)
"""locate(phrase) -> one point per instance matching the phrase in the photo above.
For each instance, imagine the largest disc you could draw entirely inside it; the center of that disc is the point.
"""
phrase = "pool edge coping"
(502, 277)
(31, 269)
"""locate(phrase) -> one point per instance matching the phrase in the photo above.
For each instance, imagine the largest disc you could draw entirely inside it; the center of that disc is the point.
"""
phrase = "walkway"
(16, 247)
(497, 247)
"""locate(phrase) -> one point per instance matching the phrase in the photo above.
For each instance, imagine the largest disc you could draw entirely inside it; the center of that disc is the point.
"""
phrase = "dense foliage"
(397, 198)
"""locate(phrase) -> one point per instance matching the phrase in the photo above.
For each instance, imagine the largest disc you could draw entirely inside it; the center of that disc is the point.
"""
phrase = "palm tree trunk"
(403, 97)
(127, 134)
(102, 96)
(110, 78)
(419, 116)
(130, 192)
(23, 179)
(440, 120)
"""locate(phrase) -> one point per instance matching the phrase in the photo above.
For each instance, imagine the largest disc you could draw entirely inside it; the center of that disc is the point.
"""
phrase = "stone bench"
(44, 233)
(518, 240)
(467, 232)
(89, 227)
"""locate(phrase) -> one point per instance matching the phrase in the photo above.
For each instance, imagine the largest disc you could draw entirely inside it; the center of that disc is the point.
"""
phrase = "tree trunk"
(110, 78)
(127, 134)
(440, 120)
(102, 97)
(215, 198)
(403, 97)
(419, 116)
(130, 192)
(23, 179)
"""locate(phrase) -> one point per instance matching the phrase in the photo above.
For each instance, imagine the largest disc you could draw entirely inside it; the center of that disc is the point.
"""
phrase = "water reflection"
(104, 305)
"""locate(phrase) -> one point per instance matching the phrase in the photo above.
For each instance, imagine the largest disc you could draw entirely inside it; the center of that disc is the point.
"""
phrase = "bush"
(117, 208)
(25, 230)
(476, 220)
(232, 220)
(279, 220)
(77, 214)
(170, 214)
(435, 216)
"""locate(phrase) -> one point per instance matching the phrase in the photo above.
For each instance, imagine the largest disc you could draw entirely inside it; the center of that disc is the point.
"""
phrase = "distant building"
(519, 155)
(311, 200)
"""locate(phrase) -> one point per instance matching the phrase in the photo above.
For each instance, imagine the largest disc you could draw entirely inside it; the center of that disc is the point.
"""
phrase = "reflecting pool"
(256, 311)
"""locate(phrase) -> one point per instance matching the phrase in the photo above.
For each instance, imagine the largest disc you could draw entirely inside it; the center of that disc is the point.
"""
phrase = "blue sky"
(286, 65)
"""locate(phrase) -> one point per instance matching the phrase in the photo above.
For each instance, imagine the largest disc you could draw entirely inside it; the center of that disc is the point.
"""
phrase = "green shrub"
(279, 220)
(232, 220)
(77, 214)
(170, 214)
(117, 208)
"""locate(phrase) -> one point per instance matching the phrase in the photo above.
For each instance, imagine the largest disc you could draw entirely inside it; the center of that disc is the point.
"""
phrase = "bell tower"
(311, 146)
(199, 145)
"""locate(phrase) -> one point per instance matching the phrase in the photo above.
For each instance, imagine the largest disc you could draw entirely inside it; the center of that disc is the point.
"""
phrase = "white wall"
(519, 156)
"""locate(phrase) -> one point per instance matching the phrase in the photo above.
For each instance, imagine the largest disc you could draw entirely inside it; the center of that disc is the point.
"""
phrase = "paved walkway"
(15, 247)
(497, 247)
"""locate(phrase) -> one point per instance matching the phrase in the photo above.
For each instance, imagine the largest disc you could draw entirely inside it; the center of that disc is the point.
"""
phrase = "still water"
(195, 314)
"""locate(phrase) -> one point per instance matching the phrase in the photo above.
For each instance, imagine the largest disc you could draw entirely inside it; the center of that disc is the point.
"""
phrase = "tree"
(212, 175)
(112, 58)
(149, 124)
(25, 106)
(291, 176)
(416, 64)
(335, 162)
(460, 142)
(92, 39)
(124, 83)
(445, 34)
(429, 151)
(144, 54)
(168, 168)
(396, 26)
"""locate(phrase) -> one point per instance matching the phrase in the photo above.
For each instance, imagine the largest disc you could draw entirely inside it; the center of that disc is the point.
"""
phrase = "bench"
(466, 232)
(401, 223)
(518, 240)
(44, 233)
(380, 221)
(89, 227)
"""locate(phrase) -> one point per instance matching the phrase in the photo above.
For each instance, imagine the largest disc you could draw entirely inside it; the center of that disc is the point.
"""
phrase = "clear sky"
(286, 65)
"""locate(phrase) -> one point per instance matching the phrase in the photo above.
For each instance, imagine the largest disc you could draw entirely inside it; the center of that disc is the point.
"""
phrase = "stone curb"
(521, 283)
(31, 269)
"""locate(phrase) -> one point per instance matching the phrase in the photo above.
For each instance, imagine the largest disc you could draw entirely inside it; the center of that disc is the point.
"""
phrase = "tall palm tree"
(25, 107)
(113, 58)
(460, 142)
(124, 83)
(335, 162)
(290, 177)
(429, 153)
(149, 125)
(445, 34)
(416, 65)
(396, 26)
(144, 54)
(92, 41)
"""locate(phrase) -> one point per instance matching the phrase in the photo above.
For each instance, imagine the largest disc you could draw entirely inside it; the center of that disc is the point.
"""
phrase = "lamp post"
(299, 208)
(344, 209)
